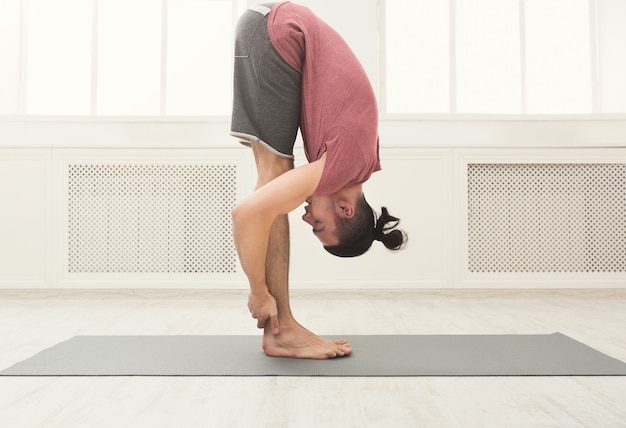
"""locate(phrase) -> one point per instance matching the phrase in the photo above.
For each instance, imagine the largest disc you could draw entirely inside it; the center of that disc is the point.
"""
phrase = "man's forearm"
(251, 240)
(253, 217)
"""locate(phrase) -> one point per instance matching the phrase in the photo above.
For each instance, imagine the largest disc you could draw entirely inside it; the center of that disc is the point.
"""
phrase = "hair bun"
(386, 232)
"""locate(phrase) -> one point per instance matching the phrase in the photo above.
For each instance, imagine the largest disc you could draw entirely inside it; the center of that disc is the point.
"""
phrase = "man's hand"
(263, 308)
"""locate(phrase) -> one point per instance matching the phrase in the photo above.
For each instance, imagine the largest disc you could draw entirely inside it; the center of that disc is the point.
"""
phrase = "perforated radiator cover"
(547, 217)
(151, 218)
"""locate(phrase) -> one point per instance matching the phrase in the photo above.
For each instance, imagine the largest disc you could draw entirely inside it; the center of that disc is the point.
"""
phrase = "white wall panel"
(415, 186)
(24, 218)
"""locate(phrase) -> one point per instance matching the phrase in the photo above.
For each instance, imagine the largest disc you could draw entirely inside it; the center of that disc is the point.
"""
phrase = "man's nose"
(307, 218)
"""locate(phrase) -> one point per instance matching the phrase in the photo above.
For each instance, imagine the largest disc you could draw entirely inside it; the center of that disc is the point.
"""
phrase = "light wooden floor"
(31, 321)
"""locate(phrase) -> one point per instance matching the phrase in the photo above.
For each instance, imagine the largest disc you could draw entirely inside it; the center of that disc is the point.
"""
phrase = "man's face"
(320, 214)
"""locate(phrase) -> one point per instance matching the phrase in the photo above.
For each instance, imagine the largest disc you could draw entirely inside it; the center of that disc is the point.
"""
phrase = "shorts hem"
(246, 138)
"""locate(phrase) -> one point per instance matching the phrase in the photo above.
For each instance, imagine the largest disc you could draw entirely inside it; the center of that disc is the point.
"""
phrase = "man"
(294, 71)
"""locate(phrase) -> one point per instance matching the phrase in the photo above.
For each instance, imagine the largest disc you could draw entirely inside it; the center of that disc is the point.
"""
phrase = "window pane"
(129, 57)
(59, 57)
(558, 70)
(9, 55)
(612, 50)
(488, 56)
(199, 57)
(417, 56)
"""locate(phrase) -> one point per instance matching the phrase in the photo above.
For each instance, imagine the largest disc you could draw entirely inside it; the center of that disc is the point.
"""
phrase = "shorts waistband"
(260, 8)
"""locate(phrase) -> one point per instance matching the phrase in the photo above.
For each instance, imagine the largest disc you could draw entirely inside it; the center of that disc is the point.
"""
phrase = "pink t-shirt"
(339, 109)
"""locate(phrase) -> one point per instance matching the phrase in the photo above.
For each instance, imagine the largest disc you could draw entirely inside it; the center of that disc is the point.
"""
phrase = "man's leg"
(269, 166)
(293, 339)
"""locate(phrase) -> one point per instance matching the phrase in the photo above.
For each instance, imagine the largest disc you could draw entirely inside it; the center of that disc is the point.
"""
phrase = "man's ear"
(346, 209)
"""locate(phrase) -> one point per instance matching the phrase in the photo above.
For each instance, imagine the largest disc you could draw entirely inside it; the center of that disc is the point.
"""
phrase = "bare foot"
(295, 341)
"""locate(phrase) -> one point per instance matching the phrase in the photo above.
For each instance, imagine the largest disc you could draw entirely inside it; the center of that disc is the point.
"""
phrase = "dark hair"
(356, 234)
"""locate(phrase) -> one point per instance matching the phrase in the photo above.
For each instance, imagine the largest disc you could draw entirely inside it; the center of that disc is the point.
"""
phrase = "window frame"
(21, 108)
(21, 117)
(595, 114)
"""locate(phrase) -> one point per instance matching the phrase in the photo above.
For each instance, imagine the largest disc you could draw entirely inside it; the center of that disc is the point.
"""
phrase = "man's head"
(324, 213)
(347, 226)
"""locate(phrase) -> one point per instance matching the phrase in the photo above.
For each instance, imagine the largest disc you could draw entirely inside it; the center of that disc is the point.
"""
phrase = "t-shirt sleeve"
(346, 163)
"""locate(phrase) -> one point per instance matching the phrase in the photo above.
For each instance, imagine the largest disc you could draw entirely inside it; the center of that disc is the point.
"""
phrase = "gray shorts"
(267, 90)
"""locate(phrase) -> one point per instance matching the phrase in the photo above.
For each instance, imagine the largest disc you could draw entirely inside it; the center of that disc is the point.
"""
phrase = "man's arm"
(252, 222)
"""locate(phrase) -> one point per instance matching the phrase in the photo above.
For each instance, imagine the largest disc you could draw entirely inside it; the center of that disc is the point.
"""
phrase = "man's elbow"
(235, 214)
(240, 215)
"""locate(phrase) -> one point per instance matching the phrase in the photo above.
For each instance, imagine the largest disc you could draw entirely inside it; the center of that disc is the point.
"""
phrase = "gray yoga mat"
(416, 355)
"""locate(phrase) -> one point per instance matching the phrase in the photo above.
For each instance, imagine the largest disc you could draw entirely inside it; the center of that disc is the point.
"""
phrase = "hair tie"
(378, 234)
(379, 230)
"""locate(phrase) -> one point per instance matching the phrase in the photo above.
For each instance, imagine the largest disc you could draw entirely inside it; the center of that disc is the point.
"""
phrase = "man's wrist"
(259, 290)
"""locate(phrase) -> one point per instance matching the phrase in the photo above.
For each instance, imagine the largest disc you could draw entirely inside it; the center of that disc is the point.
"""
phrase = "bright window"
(199, 57)
(487, 56)
(9, 55)
(174, 57)
(558, 63)
(59, 57)
(116, 57)
(417, 56)
(612, 55)
(129, 57)
(504, 56)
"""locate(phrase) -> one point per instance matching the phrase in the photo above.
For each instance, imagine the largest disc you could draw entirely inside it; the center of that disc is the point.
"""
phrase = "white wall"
(423, 182)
